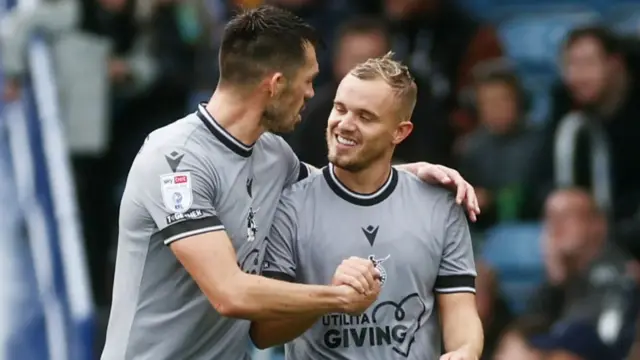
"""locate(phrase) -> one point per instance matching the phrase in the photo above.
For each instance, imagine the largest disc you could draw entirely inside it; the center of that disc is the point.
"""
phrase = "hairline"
(397, 92)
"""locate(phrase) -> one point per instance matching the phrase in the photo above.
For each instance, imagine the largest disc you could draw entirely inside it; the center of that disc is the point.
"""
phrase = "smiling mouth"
(345, 141)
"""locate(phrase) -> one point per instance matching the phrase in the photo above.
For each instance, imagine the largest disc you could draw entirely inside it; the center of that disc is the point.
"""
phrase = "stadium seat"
(624, 18)
(538, 84)
(514, 251)
(481, 8)
(533, 37)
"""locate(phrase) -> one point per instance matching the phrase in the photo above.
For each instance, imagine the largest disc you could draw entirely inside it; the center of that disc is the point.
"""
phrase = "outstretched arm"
(211, 261)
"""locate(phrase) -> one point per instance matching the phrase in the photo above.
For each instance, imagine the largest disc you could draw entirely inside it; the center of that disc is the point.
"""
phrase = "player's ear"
(276, 84)
(403, 130)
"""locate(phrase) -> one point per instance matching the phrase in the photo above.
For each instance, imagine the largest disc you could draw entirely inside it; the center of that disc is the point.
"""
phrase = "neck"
(234, 113)
(365, 181)
(617, 96)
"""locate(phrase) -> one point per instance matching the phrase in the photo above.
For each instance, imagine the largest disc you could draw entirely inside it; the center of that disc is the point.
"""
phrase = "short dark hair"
(499, 71)
(607, 39)
(364, 24)
(261, 40)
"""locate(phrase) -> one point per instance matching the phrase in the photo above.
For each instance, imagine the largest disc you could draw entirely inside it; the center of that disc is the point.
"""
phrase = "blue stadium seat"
(534, 37)
(624, 18)
(514, 251)
(481, 8)
(538, 84)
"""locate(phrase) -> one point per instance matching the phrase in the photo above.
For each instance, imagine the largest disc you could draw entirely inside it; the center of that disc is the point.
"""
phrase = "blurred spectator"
(573, 341)
(441, 42)
(132, 68)
(514, 341)
(360, 39)
(50, 17)
(492, 308)
(150, 72)
(600, 81)
(635, 349)
(496, 157)
(587, 276)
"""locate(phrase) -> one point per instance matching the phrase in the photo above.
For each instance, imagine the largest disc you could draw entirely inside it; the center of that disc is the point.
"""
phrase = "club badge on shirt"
(252, 227)
(177, 194)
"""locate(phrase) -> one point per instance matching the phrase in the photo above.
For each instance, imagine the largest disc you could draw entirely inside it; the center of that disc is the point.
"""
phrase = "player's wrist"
(335, 298)
(469, 352)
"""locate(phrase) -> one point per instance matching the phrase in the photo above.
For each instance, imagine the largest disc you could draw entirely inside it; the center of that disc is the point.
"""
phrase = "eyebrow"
(364, 111)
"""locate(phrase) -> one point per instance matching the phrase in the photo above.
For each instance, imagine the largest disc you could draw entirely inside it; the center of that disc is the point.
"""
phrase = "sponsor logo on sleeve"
(177, 194)
(189, 215)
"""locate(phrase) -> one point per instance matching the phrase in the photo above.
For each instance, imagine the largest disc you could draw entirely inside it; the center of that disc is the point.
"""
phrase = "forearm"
(463, 330)
(268, 333)
(258, 298)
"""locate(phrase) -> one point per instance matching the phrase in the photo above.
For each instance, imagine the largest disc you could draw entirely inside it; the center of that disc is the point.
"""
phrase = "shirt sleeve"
(178, 191)
(280, 260)
(457, 270)
(296, 169)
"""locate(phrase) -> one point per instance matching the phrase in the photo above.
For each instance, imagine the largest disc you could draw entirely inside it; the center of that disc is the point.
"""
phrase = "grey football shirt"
(189, 178)
(418, 238)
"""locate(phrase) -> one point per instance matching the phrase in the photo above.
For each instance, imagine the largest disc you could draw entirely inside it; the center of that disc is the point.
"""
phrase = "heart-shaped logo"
(409, 313)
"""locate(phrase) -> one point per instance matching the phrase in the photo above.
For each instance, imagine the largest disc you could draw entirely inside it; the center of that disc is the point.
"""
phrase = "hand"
(358, 273)
(442, 175)
(460, 354)
(355, 303)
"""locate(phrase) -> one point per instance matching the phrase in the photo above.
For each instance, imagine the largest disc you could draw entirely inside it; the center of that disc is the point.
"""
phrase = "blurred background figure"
(441, 42)
(600, 83)
(573, 341)
(535, 102)
(587, 275)
(496, 157)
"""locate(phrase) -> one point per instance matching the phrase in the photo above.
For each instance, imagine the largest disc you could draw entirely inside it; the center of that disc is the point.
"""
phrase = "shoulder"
(429, 197)
(274, 143)
(302, 188)
(180, 146)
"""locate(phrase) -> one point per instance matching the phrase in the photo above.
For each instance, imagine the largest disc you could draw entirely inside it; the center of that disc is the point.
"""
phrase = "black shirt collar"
(357, 198)
(222, 134)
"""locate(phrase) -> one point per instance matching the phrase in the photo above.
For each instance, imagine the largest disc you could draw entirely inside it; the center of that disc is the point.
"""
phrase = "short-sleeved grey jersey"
(416, 235)
(189, 178)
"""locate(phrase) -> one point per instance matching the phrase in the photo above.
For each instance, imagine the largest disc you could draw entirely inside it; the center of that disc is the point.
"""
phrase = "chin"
(351, 165)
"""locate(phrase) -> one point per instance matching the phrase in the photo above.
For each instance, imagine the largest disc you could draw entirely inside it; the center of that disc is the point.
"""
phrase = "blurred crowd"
(549, 135)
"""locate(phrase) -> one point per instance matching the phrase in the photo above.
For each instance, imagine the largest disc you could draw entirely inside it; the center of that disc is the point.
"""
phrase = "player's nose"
(346, 122)
(309, 93)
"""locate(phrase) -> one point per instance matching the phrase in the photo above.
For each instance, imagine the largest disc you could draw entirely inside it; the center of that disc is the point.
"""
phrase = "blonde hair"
(396, 75)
